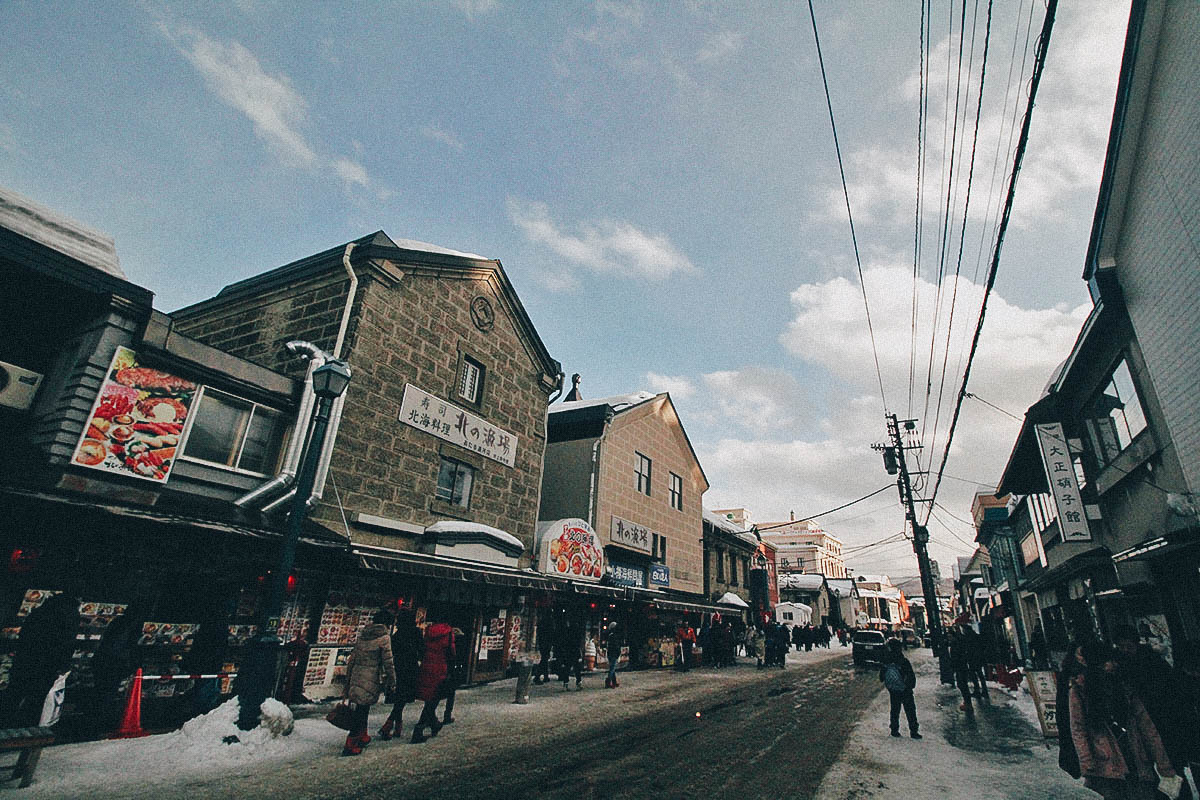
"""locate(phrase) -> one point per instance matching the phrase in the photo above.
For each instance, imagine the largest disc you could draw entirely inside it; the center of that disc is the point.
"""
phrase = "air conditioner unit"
(17, 386)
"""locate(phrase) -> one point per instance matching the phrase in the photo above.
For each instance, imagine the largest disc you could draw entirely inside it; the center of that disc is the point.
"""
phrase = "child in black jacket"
(898, 677)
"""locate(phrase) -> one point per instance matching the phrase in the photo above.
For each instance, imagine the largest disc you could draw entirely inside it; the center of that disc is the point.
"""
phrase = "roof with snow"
(842, 587)
(58, 232)
(800, 580)
(882, 580)
(718, 521)
(618, 403)
(474, 531)
(731, 599)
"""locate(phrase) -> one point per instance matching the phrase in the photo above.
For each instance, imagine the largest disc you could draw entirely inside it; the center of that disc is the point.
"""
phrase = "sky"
(659, 181)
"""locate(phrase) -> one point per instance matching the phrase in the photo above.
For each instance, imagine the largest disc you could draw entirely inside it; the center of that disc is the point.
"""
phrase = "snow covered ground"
(1000, 756)
(167, 764)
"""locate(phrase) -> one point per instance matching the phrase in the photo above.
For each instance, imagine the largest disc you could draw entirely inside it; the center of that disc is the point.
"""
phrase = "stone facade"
(411, 323)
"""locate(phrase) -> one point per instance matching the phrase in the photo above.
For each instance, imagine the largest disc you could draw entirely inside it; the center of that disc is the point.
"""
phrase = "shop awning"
(672, 604)
(1077, 563)
(448, 569)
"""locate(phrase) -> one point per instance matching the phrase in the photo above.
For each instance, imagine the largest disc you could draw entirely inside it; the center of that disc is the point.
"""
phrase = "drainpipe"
(291, 458)
(591, 517)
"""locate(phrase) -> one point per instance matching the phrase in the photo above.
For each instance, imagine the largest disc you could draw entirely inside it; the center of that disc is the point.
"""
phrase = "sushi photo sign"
(569, 548)
(137, 422)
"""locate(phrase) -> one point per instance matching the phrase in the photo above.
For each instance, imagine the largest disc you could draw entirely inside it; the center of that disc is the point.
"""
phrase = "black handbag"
(341, 715)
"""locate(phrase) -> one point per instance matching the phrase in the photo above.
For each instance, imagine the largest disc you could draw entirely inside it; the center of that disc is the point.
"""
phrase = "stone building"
(803, 546)
(444, 419)
(728, 558)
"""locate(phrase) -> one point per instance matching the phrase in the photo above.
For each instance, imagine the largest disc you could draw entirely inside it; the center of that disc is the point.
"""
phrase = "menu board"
(324, 664)
(137, 420)
(167, 633)
(1043, 689)
(348, 610)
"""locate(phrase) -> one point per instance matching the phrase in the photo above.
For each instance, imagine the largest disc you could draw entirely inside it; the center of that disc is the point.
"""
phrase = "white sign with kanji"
(431, 414)
(1063, 483)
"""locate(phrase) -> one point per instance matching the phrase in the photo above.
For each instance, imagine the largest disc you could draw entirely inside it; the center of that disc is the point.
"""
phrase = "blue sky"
(658, 180)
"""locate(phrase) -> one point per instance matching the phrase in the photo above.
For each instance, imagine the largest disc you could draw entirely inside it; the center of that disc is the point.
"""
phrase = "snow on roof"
(426, 247)
(842, 587)
(731, 599)
(724, 524)
(58, 232)
(618, 402)
(882, 580)
(799, 580)
(457, 526)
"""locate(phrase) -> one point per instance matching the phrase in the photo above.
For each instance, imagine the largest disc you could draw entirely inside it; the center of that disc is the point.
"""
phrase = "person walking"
(43, 652)
(406, 656)
(569, 652)
(1068, 759)
(545, 644)
(976, 659)
(704, 639)
(960, 663)
(613, 651)
(1117, 743)
(457, 675)
(370, 671)
(687, 639)
(896, 673)
(438, 652)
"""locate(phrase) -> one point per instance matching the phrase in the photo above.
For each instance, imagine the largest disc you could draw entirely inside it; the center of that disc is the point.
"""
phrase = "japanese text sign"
(431, 414)
(1064, 485)
(569, 548)
(630, 534)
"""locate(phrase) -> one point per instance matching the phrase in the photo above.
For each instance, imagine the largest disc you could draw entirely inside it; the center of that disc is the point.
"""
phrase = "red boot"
(353, 746)
(364, 739)
(385, 732)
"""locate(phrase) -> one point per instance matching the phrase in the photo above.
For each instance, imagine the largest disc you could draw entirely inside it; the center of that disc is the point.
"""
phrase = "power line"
(1038, 64)
(823, 513)
(846, 193)
(990, 405)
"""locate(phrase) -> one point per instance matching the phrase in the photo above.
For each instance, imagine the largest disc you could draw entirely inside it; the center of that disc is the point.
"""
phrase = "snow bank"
(215, 735)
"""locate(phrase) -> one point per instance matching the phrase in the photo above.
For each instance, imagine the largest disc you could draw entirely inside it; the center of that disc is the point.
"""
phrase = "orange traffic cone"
(131, 720)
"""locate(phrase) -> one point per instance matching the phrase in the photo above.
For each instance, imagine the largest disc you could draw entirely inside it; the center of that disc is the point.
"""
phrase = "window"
(676, 492)
(662, 549)
(733, 570)
(746, 571)
(1114, 416)
(720, 566)
(470, 380)
(455, 480)
(643, 474)
(787, 615)
(236, 433)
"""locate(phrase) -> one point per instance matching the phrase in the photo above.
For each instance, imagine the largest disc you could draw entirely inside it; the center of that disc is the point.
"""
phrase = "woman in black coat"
(43, 652)
(1068, 759)
(406, 655)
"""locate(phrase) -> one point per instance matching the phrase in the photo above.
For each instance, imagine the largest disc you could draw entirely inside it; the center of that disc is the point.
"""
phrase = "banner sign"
(569, 548)
(1064, 485)
(660, 575)
(431, 414)
(630, 534)
(1042, 688)
(136, 423)
(627, 574)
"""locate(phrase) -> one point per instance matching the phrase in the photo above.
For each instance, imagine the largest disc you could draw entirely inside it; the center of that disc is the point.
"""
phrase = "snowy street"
(818, 729)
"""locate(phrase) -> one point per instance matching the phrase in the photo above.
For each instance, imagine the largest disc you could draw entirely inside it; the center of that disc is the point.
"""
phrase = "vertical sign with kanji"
(1064, 485)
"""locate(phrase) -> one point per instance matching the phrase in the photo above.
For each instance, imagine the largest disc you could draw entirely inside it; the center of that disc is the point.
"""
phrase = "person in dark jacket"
(896, 673)
(370, 671)
(568, 651)
(206, 657)
(114, 661)
(1068, 759)
(976, 660)
(545, 644)
(43, 652)
(613, 651)
(406, 656)
(1160, 687)
(960, 663)
(438, 653)
(457, 675)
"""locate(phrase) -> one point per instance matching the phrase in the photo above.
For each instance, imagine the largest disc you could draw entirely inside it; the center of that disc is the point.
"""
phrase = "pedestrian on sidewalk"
(782, 642)
(569, 652)
(406, 656)
(687, 639)
(42, 653)
(369, 672)
(1068, 759)
(545, 644)
(438, 652)
(613, 651)
(1118, 745)
(960, 663)
(756, 644)
(896, 673)
(976, 659)
(457, 675)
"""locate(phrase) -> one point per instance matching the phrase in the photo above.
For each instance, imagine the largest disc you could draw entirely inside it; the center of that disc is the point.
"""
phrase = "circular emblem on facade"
(482, 314)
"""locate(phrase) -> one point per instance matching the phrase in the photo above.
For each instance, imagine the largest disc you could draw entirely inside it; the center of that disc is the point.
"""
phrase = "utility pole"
(894, 462)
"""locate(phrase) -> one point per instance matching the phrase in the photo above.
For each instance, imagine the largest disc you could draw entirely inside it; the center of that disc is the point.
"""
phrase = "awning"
(1159, 546)
(670, 604)
(1080, 562)
(450, 569)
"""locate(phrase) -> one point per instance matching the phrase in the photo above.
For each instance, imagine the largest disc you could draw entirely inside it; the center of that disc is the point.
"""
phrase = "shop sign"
(627, 574)
(569, 548)
(136, 423)
(660, 575)
(1064, 486)
(630, 534)
(448, 422)
(1043, 690)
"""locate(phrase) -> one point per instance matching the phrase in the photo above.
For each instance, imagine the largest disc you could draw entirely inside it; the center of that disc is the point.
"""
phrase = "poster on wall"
(136, 423)
(569, 548)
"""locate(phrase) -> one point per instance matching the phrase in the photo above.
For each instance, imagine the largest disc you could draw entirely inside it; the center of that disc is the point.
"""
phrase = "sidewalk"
(1002, 755)
(185, 763)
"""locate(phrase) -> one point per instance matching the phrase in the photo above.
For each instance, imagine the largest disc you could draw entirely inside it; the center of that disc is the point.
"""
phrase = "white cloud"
(602, 246)
(275, 109)
(681, 388)
(763, 447)
(720, 46)
(475, 8)
(439, 134)
(351, 172)
(629, 13)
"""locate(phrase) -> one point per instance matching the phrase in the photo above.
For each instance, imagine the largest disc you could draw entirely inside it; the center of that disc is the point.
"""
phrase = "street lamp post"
(257, 679)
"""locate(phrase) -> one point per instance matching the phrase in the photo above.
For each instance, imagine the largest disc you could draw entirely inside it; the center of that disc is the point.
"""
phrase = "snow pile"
(205, 736)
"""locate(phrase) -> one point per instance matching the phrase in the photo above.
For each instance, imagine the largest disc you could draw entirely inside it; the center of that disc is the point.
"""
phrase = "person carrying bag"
(370, 672)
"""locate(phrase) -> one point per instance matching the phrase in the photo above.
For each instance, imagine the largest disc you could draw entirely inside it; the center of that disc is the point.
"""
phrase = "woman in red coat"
(435, 663)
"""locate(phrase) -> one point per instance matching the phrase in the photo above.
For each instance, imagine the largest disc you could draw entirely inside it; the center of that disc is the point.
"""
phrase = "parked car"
(868, 647)
(910, 638)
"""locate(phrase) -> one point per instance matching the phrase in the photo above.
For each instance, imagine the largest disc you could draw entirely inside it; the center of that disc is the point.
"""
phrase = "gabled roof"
(59, 232)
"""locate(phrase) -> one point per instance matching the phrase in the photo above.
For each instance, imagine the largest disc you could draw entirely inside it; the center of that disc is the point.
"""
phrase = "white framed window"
(643, 474)
(676, 492)
(237, 434)
(470, 380)
(455, 481)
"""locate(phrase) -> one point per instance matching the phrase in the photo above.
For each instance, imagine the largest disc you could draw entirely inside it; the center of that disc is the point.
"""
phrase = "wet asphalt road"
(771, 737)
